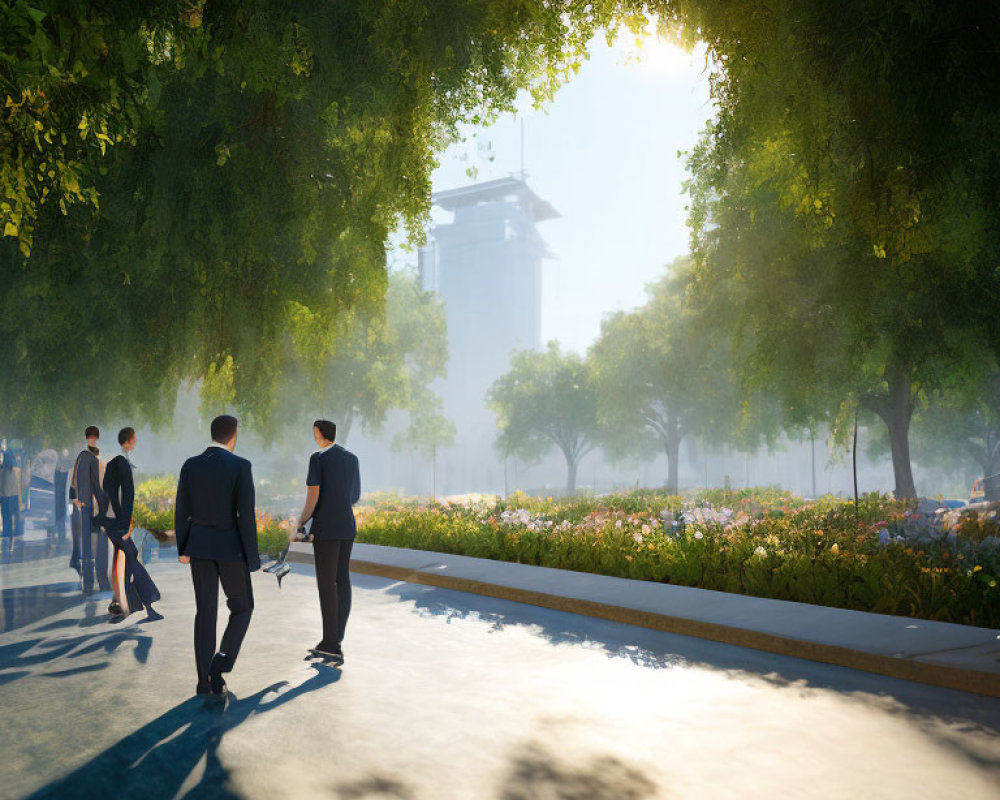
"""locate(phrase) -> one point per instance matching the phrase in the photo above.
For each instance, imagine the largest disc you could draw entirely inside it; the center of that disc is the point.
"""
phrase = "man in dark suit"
(89, 501)
(333, 486)
(217, 535)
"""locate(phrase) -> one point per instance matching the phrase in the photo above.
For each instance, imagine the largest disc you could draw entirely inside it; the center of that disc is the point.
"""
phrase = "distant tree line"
(843, 214)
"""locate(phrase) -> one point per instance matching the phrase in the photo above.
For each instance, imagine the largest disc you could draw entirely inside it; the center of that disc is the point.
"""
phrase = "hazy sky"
(604, 153)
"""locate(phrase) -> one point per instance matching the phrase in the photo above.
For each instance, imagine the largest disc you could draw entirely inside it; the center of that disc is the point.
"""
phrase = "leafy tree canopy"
(547, 399)
(662, 375)
(839, 215)
(179, 180)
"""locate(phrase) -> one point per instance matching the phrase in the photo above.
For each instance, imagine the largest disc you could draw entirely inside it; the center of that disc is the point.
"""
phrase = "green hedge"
(782, 548)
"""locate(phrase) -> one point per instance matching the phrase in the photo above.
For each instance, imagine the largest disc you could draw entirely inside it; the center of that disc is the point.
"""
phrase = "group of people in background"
(103, 495)
(215, 528)
(15, 482)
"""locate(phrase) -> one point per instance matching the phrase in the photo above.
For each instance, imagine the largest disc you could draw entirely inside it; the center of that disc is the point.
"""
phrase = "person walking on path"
(133, 588)
(216, 528)
(333, 486)
(89, 501)
(10, 494)
(59, 480)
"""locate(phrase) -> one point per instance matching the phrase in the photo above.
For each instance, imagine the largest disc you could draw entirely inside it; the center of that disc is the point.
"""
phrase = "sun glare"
(660, 58)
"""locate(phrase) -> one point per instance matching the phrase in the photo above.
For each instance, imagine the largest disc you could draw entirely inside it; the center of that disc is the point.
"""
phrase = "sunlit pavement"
(449, 695)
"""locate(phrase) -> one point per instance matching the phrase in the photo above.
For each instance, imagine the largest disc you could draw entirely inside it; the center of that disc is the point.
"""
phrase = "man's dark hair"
(224, 428)
(327, 429)
(125, 435)
(92, 432)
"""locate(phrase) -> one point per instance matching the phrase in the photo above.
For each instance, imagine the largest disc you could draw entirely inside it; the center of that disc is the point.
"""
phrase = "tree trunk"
(812, 445)
(896, 410)
(673, 447)
(571, 465)
(899, 439)
(992, 450)
(344, 427)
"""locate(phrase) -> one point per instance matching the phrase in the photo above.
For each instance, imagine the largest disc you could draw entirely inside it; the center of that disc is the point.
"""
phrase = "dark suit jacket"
(120, 488)
(214, 514)
(336, 473)
(88, 482)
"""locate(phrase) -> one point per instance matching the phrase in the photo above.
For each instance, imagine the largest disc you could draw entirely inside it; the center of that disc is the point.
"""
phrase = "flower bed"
(154, 505)
(272, 534)
(154, 511)
(887, 558)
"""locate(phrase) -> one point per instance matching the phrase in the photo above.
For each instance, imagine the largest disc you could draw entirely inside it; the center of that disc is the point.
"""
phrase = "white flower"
(760, 551)
(698, 534)
(618, 524)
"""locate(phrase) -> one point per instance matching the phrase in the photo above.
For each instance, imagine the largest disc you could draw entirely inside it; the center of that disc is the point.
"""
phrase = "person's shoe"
(87, 576)
(215, 680)
(152, 615)
(203, 688)
(332, 653)
(115, 609)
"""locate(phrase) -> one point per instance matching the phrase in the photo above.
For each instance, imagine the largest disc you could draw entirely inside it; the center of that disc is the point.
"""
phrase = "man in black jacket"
(89, 501)
(217, 535)
(333, 486)
(132, 586)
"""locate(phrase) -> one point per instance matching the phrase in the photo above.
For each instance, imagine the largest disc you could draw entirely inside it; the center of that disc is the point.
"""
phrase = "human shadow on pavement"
(156, 761)
(27, 604)
(43, 653)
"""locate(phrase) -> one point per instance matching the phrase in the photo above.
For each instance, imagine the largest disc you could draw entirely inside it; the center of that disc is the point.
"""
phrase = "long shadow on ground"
(155, 761)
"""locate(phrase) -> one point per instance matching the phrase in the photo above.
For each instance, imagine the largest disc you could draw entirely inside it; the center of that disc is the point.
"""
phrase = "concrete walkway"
(452, 695)
(938, 653)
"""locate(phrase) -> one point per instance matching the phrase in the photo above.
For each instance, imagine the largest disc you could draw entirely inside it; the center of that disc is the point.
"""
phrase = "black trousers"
(235, 579)
(59, 496)
(102, 556)
(332, 558)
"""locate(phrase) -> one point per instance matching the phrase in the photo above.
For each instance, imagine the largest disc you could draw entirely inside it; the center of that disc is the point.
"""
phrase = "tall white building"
(486, 264)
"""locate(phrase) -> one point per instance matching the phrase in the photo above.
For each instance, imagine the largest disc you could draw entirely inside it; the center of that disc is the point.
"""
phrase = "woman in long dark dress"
(133, 588)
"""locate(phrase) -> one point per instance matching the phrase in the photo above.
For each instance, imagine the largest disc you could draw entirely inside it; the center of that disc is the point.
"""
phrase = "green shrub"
(773, 545)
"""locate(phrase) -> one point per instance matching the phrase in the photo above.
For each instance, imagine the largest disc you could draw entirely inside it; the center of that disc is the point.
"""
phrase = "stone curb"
(906, 668)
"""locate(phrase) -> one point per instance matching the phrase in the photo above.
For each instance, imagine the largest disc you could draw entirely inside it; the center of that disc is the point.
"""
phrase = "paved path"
(937, 653)
(451, 695)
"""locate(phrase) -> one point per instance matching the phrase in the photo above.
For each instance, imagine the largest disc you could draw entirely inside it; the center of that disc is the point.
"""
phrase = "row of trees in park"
(654, 377)
(669, 370)
(844, 207)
